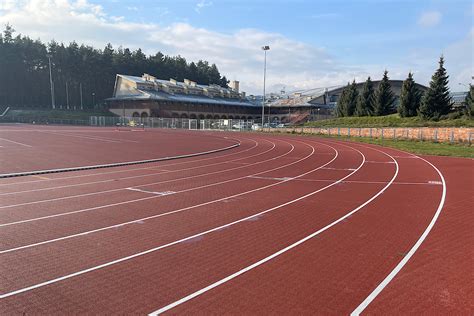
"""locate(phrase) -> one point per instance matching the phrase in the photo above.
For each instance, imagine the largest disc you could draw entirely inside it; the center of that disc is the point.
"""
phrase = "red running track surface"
(279, 224)
(31, 148)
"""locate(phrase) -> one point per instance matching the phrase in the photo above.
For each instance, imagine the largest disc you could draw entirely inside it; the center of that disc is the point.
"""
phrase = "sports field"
(101, 221)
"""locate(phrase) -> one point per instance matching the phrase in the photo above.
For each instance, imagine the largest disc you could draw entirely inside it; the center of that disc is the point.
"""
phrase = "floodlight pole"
(51, 83)
(67, 96)
(265, 48)
(80, 90)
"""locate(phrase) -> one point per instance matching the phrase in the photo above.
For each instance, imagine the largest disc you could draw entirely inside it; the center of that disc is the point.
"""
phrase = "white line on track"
(8, 294)
(280, 252)
(151, 192)
(359, 309)
(152, 197)
(134, 169)
(175, 211)
(82, 136)
(11, 141)
(146, 184)
(375, 182)
(134, 177)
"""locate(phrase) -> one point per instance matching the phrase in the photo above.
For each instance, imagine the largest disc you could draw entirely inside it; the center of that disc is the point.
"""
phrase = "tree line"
(82, 71)
(433, 104)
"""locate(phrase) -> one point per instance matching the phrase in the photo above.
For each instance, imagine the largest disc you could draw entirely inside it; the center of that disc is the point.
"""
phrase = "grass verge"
(412, 146)
(393, 120)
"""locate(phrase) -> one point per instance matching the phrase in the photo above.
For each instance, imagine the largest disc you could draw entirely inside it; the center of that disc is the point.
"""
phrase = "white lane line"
(374, 182)
(344, 169)
(81, 136)
(146, 184)
(11, 141)
(131, 177)
(270, 178)
(29, 288)
(113, 165)
(359, 309)
(282, 251)
(380, 162)
(147, 198)
(152, 192)
(174, 211)
(143, 168)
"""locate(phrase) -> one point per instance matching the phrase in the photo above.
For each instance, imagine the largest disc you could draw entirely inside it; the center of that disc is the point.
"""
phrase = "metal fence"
(177, 123)
(138, 122)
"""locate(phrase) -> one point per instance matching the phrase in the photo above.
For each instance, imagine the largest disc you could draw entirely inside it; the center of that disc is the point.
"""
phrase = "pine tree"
(437, 101)
(384, 98)
(365, 103)
(342, 102)
(410, 98)
(351, 101)
(470, 102)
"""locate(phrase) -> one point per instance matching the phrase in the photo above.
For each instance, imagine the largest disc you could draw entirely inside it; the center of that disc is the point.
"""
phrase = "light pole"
(51, 82)
(80, 92)
(265, 48)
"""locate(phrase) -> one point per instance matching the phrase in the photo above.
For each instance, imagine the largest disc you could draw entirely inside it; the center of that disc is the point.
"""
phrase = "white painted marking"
(167, 213)
(12, 293)
(151, 192)
(380, 162)
(82, 136)
(138, 176)
(270, 178)
(135, 169)
(345, 169)
(359, 309)
(11, 141)
(137, 186)
(280, 252)
(435, 182)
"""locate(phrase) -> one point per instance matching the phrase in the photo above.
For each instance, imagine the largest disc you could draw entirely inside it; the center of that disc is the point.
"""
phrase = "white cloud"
(290, 63)
(429, 18)
(201, 5)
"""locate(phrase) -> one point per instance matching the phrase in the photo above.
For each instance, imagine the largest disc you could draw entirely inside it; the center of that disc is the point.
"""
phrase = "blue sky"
(313, 43)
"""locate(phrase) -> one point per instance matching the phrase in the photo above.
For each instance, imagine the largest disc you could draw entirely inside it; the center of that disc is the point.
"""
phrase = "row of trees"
(369, 102)
(24, 75)
(432, 104)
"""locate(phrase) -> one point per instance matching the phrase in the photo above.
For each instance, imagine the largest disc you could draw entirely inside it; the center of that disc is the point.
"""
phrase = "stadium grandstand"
(148, 96)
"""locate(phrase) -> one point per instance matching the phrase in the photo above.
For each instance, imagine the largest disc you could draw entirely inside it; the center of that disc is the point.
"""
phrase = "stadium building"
(148, 96)
(320, 103)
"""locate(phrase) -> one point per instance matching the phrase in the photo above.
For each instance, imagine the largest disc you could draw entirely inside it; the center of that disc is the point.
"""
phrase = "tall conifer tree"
(410, 98)
(341, 108)
(365, 103)
(352, 97)
(437, 101)
(384, 98)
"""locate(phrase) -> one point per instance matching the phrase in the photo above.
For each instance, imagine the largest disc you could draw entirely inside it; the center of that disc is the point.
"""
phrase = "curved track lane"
(279, 225)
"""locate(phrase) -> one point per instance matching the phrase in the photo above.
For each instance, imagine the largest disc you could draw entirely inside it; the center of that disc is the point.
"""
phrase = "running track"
(277, 224)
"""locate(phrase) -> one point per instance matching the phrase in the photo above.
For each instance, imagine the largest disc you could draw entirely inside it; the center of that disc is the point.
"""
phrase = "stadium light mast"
(265, 48)
(51, 82)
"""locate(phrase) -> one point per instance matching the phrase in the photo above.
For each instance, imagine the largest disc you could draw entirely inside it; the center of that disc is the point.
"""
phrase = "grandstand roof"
(160, 95)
